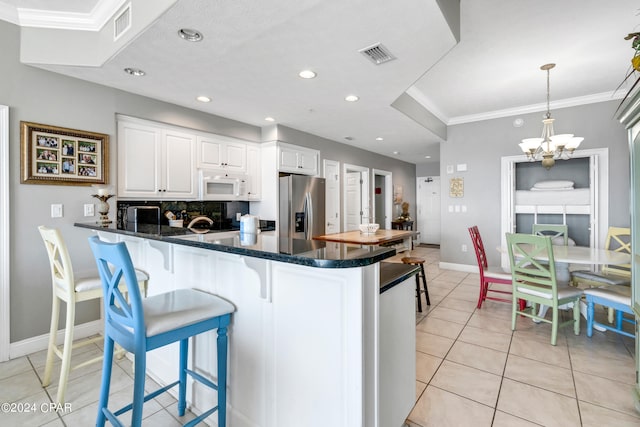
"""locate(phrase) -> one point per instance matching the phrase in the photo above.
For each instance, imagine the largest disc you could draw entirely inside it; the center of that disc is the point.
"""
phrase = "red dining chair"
(488, 277)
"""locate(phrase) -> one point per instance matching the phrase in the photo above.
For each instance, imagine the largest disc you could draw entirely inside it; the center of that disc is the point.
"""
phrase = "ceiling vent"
(378, 54)
(122, 22)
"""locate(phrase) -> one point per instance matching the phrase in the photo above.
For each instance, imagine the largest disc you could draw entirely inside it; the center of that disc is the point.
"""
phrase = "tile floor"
(472, 370)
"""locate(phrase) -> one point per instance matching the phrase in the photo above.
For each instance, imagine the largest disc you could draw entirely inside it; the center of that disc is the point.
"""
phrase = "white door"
(332, 197)
(428, 200)
(353, 199)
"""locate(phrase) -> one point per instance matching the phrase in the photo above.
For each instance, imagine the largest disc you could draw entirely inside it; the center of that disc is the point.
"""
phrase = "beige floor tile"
(86, 390)
(539, 374)
(442, 284)
(465, 292)
(597, 416)
(19, 386)
(426, 366)
(610, 368)
(162, 418)
(601, 346)
(420, 387)
(30, 411)
(436, 326)
(440, 408)
(605, 393)
(433, 344)
(537, 405)
(188, 415)
(541, 351)
(76, 359)
(459, 304)
(474, 384)
(14, 367)
(55, 423)
(485, 338)
(489, 323)
(450, 315)
(502, 419)
(482, 358)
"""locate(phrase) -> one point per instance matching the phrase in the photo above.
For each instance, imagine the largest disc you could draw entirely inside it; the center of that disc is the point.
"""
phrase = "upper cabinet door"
(155, 162)
(218, 152)
(300, 160)
(138, 159)
(179, 178)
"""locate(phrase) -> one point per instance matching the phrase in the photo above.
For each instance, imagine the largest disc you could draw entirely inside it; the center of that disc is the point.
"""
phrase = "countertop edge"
(392, 274)
(361, 261)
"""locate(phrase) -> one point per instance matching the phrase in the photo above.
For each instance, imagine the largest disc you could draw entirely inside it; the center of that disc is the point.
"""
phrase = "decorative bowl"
(369, 228)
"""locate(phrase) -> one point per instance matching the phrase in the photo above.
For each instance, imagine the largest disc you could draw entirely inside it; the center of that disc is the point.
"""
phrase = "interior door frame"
(335, 163)
(5, 306)
(365, 193)
(388, 195)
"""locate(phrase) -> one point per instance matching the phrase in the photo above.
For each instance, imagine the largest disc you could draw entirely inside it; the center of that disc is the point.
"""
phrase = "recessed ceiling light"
(307, 74)
(379, 138)
(270, 119)
(427, 157)
(396, 152)
(190, 35)
(349, 138)
(134, 71)
(203, 98)
(351, 98)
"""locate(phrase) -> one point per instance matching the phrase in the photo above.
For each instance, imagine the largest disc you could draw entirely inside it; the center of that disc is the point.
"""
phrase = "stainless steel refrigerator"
(302, 201)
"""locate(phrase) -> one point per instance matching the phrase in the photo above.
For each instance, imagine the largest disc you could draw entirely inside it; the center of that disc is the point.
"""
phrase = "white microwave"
(219, 185)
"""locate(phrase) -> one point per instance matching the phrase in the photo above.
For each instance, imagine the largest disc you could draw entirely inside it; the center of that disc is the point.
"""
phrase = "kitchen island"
(318, 339)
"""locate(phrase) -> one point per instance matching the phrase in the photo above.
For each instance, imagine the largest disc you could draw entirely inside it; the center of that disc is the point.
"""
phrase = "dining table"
(566, 255)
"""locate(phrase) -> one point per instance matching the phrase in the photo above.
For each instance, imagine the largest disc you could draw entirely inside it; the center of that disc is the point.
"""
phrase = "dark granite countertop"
(266, 245)
(392, 273)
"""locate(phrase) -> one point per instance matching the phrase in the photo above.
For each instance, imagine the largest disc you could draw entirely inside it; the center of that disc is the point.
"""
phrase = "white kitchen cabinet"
(155, 162)
(219, 152)
(254, 170)
(294, 159)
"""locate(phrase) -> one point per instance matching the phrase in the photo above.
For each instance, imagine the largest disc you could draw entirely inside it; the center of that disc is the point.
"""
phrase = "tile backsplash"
(223, 214)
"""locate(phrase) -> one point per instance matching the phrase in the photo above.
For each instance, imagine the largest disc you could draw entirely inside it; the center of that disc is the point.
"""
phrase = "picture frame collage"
(62, 156)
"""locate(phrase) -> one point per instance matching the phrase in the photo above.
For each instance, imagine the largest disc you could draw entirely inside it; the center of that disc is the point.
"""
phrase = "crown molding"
(562, 103)
(91, 21)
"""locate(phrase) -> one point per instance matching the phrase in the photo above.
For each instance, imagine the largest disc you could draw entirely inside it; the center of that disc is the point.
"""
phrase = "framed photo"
(60, 156)
(456, 187)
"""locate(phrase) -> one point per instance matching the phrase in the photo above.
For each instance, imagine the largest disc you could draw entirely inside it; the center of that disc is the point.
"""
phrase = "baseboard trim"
(34, 344)
(458, 267)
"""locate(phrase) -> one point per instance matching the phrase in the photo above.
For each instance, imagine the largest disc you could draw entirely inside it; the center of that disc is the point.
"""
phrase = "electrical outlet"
(89, 209)
(56, 210)
(464, 248)
(238, 215)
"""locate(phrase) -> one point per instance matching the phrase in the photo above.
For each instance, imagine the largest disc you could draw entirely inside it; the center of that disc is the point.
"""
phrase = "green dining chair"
(559, 233)
(534, 279)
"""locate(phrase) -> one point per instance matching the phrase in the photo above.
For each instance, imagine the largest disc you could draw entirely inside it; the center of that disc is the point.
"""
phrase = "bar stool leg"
(418, 293)
(222, 376)
(424, 283)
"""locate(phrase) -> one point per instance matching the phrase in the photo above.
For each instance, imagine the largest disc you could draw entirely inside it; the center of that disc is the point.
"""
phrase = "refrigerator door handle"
(308, 216)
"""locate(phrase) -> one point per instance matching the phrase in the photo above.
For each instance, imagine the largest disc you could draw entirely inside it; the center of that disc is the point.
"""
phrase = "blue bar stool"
(141, 325)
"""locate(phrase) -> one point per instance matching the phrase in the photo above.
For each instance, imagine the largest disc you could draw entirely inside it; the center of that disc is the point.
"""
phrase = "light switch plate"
(89, 209)
(56, 210)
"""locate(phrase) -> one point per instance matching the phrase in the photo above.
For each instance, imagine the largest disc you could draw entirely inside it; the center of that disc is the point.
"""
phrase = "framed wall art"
(60, 156)
(456, 187)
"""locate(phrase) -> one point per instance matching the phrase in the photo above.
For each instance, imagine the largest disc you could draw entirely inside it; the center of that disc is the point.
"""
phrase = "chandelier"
(550, 147)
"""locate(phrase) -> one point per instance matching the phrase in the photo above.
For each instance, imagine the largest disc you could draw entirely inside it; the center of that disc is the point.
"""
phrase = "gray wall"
(428, 169)
(482, 144)
(43, 97)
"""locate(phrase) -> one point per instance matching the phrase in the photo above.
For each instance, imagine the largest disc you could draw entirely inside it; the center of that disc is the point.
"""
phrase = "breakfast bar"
(322, 335)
